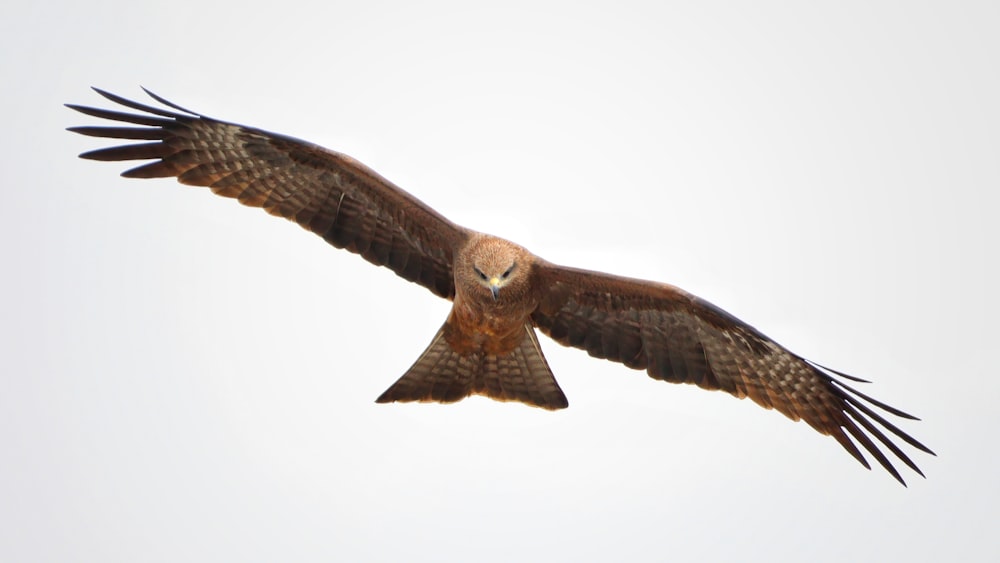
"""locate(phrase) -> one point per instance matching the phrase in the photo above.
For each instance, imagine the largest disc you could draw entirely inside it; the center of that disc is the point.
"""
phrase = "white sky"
(186, 379)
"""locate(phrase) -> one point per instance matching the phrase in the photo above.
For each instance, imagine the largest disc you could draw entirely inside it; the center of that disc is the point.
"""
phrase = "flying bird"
(500, 292)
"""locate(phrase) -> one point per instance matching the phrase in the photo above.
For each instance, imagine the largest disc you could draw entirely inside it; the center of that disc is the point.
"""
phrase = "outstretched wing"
(328, 193)
(680, 338)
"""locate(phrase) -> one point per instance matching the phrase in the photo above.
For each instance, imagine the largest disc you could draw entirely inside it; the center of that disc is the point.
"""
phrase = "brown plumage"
(500, 291)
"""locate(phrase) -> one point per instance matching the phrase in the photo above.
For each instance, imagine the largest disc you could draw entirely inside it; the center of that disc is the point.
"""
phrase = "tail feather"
(445, 376)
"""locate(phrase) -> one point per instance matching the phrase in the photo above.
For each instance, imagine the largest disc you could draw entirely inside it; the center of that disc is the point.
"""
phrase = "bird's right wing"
(677, 337)
(328, 193)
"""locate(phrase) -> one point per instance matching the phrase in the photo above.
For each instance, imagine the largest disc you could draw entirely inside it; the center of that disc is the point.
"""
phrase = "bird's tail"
(446, 376)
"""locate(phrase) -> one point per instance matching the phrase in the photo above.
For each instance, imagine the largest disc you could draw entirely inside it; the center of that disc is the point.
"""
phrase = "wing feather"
(677, 337)
(328, 193)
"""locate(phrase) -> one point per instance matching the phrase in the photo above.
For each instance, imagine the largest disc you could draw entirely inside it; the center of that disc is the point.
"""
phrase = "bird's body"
(488, 345)
(482, 313)
(501, 292)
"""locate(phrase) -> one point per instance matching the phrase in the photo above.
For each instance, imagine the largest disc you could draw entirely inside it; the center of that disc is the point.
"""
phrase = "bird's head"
(493, 269)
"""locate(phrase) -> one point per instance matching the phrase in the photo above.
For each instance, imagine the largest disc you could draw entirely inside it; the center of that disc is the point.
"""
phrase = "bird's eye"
(509, 270)
(480, 273)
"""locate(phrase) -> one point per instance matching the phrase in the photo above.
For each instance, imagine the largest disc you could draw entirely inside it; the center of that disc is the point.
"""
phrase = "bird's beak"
(495, 287)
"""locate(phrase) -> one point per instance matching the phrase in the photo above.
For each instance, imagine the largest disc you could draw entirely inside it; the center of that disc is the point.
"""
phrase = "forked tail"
(445, 376)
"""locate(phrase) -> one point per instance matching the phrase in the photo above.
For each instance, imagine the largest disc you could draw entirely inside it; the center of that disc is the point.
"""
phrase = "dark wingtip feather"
(158, 169)
(166, 102)
(852, 449)
(876, 402)
(136, 105)
(854, 402)
(878, 434)
(143, 151)
(122, 116)
(888, 425)
(871, 400)
(78, 107)
(831, 370)
(872, 449)
(140, 133)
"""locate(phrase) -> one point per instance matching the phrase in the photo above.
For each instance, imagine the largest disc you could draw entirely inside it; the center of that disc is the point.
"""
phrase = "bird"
(501, 293)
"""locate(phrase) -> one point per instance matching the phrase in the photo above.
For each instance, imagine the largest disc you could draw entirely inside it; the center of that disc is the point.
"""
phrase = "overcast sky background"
(187, 379)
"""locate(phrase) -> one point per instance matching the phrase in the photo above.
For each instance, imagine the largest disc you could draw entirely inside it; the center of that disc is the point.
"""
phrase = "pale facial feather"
(489, 264)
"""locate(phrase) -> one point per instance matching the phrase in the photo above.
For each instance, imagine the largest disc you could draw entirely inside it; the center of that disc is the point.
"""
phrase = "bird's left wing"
(677, 337)
(326, 192)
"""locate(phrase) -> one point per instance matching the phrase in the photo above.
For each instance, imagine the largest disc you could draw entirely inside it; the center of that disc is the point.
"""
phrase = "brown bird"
(500, 291)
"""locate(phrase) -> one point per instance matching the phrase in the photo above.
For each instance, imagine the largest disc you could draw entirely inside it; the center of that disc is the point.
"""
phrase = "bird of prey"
(500, 291)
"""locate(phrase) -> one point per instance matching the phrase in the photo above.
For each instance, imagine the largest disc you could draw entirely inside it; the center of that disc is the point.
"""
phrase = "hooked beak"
(495, 287)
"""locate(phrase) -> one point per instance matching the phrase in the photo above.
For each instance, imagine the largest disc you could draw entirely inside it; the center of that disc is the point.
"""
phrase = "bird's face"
(492, 270)
(494, 274)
